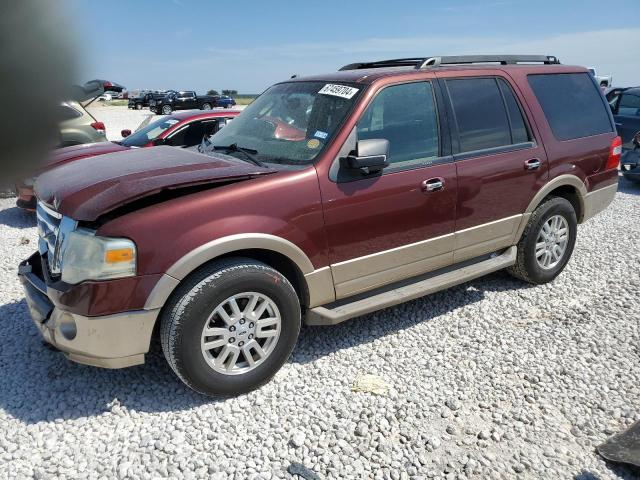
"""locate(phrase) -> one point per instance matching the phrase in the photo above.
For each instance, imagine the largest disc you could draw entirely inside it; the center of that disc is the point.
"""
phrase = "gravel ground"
(491, 379)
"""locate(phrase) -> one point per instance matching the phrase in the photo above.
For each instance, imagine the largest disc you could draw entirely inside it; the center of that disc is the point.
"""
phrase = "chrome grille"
(52, 228)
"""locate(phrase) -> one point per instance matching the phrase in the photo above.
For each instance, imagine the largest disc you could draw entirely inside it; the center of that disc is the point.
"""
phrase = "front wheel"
(547, 242)
(166, 109)
(230, 327)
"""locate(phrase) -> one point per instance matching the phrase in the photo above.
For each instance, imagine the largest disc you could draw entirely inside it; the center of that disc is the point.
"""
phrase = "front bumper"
(109, 341)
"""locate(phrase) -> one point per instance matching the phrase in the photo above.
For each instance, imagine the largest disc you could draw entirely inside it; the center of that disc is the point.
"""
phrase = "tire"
(206, 106)
(166, 109)
(527, 266)
(193, 306)
(138, 106)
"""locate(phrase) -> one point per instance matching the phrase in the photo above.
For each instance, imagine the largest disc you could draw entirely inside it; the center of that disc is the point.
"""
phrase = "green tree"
(212, 92)
(230, 92)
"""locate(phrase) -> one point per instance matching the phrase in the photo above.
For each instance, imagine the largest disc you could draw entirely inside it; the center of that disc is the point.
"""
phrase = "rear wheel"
(206, 106)
(166, 109)
(547, 242)
(230, 327)
(138, 106)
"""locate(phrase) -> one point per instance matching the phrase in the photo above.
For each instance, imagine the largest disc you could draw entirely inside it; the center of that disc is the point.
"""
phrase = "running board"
(331, 316)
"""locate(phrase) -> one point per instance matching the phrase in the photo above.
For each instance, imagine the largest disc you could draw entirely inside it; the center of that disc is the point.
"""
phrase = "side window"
(629, 105)
(406, 116)
(519, 131)
(479, 113)
(572, 104)
(189, 136)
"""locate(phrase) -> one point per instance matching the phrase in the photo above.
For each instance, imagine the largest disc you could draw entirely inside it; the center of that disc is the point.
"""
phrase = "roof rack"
(426, 62)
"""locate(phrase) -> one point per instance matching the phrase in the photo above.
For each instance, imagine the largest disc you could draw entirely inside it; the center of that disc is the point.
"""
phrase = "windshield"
(149, 133)
(290, 123)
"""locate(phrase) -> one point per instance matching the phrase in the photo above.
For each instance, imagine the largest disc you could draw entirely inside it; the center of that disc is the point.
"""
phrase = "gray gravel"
(492, 379)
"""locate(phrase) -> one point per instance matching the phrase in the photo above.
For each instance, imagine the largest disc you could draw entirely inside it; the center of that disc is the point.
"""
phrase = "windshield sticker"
(313, 143)
(320, 134)
(338, 90)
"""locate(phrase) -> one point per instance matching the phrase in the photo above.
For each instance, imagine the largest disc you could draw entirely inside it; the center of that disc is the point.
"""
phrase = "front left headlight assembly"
(85, 256)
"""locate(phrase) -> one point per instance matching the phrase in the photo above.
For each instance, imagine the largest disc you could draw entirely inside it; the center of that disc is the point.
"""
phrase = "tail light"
(615, 152)
(99, 126)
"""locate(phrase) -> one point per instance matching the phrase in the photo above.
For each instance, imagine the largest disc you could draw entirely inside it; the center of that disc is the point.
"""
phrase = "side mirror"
(370, 156)
(125, 133)
(157, 142)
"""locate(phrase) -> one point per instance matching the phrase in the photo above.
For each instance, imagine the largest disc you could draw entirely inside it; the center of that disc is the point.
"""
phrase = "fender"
(319, 282)
(559, 181)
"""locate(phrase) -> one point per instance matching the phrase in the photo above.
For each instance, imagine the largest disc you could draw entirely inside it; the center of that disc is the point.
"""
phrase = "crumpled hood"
(88, 189)
(76, 152)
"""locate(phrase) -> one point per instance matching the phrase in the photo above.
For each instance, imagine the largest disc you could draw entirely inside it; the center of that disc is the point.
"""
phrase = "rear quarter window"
(572, 104)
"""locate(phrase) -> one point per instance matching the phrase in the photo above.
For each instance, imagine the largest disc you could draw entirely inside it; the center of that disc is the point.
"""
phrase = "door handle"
(433, 184)
(532, 164)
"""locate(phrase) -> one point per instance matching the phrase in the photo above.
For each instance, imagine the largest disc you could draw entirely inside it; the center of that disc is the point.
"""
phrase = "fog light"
(67, 327)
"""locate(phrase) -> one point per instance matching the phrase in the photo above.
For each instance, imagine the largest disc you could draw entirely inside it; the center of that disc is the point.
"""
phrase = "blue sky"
(248, 45)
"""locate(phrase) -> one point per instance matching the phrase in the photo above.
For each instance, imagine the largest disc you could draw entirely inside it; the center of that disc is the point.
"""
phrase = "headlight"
(86, 256)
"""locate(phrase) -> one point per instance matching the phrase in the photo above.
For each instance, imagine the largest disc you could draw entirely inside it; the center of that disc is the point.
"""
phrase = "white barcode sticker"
(338, 90)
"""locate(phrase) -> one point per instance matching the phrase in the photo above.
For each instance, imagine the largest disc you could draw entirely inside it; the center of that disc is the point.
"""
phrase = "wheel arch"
(314, 286)
(567, 186)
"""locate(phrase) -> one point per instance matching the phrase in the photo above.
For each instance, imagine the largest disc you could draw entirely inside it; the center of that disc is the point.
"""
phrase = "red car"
(412, 175)
(181, 129)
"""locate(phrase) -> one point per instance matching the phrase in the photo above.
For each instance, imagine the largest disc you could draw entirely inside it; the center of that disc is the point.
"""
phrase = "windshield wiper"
(248, 152)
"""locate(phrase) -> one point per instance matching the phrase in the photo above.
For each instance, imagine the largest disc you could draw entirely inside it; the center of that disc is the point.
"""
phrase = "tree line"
(229, 93)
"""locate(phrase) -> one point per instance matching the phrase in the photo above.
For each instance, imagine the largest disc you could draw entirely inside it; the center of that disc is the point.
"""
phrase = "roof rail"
(501, 59)
(426, 62)
(398, 62)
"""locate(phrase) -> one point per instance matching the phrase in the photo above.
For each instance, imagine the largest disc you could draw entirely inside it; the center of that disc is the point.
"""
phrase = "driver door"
(399, 223)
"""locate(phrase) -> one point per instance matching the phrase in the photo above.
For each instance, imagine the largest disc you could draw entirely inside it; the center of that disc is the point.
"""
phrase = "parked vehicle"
(413, 175)
(630, 161)
(602, 80)
(78, 126)
(183, 100)
(143, 100)
(625, 105)
(224, 101)
(182, 129)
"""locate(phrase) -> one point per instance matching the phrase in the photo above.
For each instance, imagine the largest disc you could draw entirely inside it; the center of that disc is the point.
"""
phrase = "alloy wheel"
(552, 241)
(240, 333)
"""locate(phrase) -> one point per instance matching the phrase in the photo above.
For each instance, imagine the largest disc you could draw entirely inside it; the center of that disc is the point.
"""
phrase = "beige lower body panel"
(597, 200)
(371, 271)
(110, 341)
(486, 238)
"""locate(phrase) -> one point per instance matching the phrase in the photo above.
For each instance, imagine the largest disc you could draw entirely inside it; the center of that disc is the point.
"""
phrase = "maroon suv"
(409, 176)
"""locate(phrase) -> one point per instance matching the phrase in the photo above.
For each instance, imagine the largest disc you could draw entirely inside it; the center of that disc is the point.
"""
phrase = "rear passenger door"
(500, 165)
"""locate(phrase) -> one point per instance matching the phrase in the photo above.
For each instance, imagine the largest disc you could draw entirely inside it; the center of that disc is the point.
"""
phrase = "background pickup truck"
(602, 80)
(184, 100)
(143, 100)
